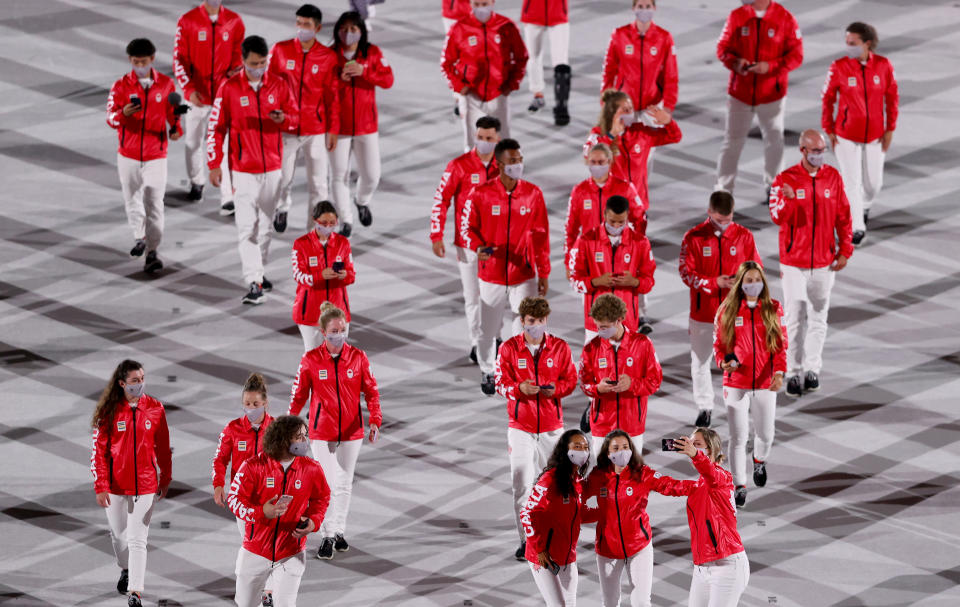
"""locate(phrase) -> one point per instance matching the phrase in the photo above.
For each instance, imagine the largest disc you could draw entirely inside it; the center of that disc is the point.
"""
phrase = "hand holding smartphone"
(338, 266)
(284, 500)
(546, 387)
(668, 444)
(610, 382)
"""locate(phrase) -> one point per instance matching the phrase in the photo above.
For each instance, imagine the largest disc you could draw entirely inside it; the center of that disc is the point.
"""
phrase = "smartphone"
(610, 382)
(546, 387)
(303, 524)
(487, 250)
(376, 435)
(134, 100)
(554, 568)
(668, 444)
(749, 66)
(284, 499)
(338, 266)
(618, 274)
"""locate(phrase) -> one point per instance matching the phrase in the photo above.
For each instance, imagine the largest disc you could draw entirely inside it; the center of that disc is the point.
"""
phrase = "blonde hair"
(611, 100)
(608, 307)
(601, 147)
(329, 312)
(731, 307)
(714, 444)
(256, 383)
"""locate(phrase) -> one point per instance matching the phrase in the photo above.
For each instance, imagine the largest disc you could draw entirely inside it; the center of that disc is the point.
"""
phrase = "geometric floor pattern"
(861, 507)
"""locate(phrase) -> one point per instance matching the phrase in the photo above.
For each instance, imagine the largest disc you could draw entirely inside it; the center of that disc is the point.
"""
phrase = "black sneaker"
(152, 265)
(280, 222)
(227, 209)
(487, 384)
(644, 326)
(521, 552)
(740, 496)
(561, 115)
(138, 249)
(134, 600)
(254, 296)
(340, 543)
(703, 418)
(266, 599)
(364, 215)
(122, 582)
(537, 104)
(759, 473)
(473, 355)
(266, 285)
(858, 236)
(794, 387)
(811, 383)
(325, 551)
(196, 192)
(346, 229)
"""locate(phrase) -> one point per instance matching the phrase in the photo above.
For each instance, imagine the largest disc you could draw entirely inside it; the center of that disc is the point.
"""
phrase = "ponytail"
(256, 383)
(329, 312)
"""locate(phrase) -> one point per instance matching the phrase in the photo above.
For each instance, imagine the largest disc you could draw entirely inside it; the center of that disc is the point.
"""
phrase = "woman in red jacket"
(322, 268)
(131, 465)
(721, 570)
(631, 139)
(362, 68)
(750, 345)
(551, 520)
(621, 483)
(333, 377)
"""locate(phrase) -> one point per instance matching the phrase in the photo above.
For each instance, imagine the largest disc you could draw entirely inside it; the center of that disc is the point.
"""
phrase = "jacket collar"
(246, 425)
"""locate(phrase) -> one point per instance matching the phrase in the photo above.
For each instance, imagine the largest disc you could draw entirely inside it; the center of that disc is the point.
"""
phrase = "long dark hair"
(113, 394)
(636, 459)
(354, 18)
(560, 462)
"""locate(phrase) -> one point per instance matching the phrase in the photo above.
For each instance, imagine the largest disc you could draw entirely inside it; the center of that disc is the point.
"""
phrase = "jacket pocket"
(698, 300)
(846, 111)
(790, 243)
(713, 538)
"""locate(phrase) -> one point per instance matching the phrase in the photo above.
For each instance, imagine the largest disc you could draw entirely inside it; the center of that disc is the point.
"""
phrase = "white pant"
(639, 576)
(492, 299)
(366, 158)
(315, 155)
(559, 50)
(253, 571)
(701, 360)
(256, 199)
(761, 405)
(312, 337)
(242, 527)
(472, 109)
(338, 462)
(129, 519)
(811, 287)
(861, 166)
(557, 590)
(467, 264)
(143, 185)
(529, 453)
(720, 583)
(195, 145)
(739, 118)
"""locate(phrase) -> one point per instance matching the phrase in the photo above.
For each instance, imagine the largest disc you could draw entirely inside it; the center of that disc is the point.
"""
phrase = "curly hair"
(280, 434)
(608, 308)
(537, 307)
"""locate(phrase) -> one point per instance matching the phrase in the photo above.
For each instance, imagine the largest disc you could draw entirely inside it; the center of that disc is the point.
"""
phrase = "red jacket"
(644, 67)
(594, 256)
(358, 97)
(586, 207)
(515, 223)
(255, 142)
(143, 134)
(550, 521)
(455, 9)
(623, 527)
(869, 99)
(707, 253)
(259, 479)
(462, 174)
(624, 410)
(711, 512)
(488, 57)
(545, 12)
(309, 258)
(312, 77)
(757, 363)
(204, 51)
(633, 150)
(775, 39)
(131, 450)
(813, 221)
(334, 390)
(238, 442)
(550, 365)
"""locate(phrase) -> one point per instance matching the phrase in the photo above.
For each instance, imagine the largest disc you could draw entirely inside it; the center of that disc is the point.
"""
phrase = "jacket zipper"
(753, 330)
(256, 441)
(336, 373)
(143, 121)
(263, 151)
(353, 104)
(213, 61)
(600, 203)
(536, 376)
(326, 263)
(643, 40)
(506, 254)
(813, 235)
(756, 59)
(720, 260)
(136, 471)
(616, 501)
(866, 104)
(303, 69)
(276, 529)
(616, 374)
(486, 60)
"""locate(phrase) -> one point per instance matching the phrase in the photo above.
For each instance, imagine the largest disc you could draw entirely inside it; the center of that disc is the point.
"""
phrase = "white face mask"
(514, 171)
(752, 289)
(718, 226)
(142, 71)
(578, 458)
(614, 231)
(482, 13)
(255, 73)
(608, 332)
(325, 231)
(337, 340)
(254, 414)
(599, 171)
(535, 331)
(350, 38)
(133, 390)
(621, 458)
(300, 449)
(644, 15)
(854, 52)
(306, 35)
(485, 147)
(628, 119)
(815, 160)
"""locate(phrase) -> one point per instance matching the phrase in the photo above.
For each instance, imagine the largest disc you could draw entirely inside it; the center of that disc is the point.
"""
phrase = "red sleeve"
(319, 499)
(667, 485)
(470, 230)
(115, 117)
(707, 469)
(726, 51)
(671, 78)
(611, 64)
(781, 207)
(450, 60)
(638, 209)
(301, 388)
(688, 270)
(844, 225)
(793, 53)
(534, 513)
(241, 500)
(517, 57)
(652, 377)
(580, 268)
(371, 394)
(236, 59)
(378, 72)
(567, 379)
(719, 349)
(217, 127)
(646, 269)
(752, 245)
(302, 274)
(587, 375)
(891, 98)
(571, 229)
(331, 99)
(222, 457)
(441, 200)
(181, 60)
(828, 98)
(780, 357)
(274, 62)
(161, 448)
(508, 386)
(540, 237)
(670, 133)
(98, 458)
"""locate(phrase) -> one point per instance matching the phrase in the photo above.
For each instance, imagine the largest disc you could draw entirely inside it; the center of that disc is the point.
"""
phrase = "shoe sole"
(792, 395)
(342, 549)
(805, 390)
(325, 558)
(138, 256)
(253, 302)
(278, 230)
(153, 268)
(224, 213)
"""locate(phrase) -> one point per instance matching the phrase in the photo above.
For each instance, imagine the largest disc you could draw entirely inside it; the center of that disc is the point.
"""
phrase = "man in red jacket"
(283, 495)
(505, 222)
(311, 71)
(139, 111)
(483, 60)
(548, 18)
(534, 372)
(760, 45)
(206, 51)
(462, 174)
(252, 109)
(710, 255)
(809, 204)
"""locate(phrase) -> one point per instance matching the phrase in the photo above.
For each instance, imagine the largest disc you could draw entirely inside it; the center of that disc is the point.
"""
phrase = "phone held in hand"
(610, 382)
(338, 266)
(554, 568)
(283, 500)
(135, 100)
(303, 524)
(668, 444)
(546, 387)
(487, 250)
